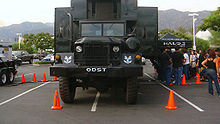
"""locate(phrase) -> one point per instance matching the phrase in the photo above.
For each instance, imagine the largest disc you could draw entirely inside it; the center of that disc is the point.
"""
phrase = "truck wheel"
(3, 78)
(31, 61)
(131, 90)
(67, 89)
(11, 77)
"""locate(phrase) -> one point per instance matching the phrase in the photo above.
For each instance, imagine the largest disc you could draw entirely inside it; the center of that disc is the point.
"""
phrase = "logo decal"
(68, 60)
(127, 59)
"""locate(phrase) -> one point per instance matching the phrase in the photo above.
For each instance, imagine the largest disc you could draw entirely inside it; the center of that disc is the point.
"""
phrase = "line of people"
(172, 64)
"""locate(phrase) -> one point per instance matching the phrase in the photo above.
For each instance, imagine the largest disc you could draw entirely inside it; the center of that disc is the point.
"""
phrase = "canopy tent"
(172, 41)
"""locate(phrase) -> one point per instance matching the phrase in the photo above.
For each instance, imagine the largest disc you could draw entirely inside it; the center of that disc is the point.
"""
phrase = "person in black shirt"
(202, 57)
(178, 59)
(169, 52)
(212, 71)
(166, 67)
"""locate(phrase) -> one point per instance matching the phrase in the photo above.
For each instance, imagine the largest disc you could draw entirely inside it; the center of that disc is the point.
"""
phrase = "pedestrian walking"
(212, 71)
(178, 59)
(186, 63)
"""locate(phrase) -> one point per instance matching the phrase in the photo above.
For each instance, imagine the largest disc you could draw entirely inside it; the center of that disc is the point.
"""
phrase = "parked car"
(49, 58)
(23, 55)
(35, 56)
(42, 55)
(16, 60)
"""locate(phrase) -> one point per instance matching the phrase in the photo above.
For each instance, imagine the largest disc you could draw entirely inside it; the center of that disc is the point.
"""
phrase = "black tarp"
(172, 41)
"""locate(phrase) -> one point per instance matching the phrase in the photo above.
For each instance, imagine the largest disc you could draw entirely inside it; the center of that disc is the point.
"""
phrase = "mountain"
(171, 19)
(8, 33)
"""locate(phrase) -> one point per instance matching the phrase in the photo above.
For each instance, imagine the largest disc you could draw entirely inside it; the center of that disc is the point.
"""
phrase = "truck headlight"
(133, 44)
(79, 49)
(116, 49)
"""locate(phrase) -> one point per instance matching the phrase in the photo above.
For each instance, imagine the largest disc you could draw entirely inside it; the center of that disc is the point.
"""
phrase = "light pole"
(194, 29)
(19, 40)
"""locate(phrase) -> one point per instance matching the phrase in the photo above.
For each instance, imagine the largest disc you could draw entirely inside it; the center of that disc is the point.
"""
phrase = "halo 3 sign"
(172, 41)
(180, 44)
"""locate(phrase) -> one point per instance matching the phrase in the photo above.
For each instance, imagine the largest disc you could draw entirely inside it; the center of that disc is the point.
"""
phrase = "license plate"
(96, 70)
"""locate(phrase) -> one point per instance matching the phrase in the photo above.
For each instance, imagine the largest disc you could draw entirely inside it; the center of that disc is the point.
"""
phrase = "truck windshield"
(105, 29)
(91, 29)
(113, 29)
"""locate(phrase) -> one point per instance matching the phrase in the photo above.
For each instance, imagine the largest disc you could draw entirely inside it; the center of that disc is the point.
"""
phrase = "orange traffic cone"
(198, 79)
(197, 74)
(34, 78)
(56, 102)
(23, 79)
(171, 102)
(54, 78)
(184, 80)
(171, 84)
(44, 78)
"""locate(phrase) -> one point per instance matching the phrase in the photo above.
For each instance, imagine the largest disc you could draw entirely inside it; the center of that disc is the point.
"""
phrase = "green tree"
(177, 34)
(200, 43)
(181, 30)
(44, 41)
(215, 38)
(212, 22)
(34, 42)
(15, 47)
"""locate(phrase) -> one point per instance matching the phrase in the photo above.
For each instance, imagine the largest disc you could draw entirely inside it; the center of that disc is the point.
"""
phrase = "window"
(91, 30)
(105, 29)
(113, 29)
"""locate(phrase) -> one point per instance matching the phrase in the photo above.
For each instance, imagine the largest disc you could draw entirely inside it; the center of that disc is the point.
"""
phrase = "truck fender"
(2, 69)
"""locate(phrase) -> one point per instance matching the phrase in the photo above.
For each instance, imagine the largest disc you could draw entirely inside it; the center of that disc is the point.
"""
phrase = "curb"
(36, 64)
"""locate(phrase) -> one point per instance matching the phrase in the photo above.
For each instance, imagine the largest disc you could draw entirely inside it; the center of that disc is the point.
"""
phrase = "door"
(147, 30)
(63, 30)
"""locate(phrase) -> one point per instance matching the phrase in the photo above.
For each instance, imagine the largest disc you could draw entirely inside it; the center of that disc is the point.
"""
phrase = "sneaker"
(211, 94)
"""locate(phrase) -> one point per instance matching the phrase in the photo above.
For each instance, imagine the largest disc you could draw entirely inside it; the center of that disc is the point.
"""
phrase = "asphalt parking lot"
(30, 103)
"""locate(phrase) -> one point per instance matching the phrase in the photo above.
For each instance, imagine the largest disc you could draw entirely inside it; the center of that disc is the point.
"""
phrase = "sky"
(18, 11)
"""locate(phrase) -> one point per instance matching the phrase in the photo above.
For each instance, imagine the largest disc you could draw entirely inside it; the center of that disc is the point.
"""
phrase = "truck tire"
(31, 61)
(11, 77)
(3, 77)
(131, 90)
(67, 89)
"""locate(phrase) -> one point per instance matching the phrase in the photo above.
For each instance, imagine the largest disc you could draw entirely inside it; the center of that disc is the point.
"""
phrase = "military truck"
(7, 65)
(100, 44)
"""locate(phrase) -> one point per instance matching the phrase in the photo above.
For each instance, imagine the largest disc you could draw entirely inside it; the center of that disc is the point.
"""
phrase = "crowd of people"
(173, 63)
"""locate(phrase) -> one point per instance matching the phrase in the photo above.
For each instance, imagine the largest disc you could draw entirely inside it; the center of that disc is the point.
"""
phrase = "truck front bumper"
(96, 71)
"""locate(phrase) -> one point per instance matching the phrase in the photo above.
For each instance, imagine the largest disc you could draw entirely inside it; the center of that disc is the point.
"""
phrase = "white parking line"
(24, 75)
(149, 76)
(187, 101)
(2, 103)
(94, 106)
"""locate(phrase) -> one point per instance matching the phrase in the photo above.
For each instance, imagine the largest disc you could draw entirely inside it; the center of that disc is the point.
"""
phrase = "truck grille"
(95, 55)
